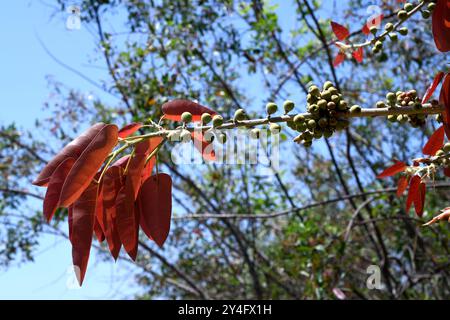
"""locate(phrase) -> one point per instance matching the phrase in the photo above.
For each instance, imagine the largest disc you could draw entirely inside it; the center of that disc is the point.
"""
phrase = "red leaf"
(340, 31)
(419, 201)
(447, 171)
(73, 150)
(358, 54)
(444, 99)
(127, 217)
(374, 22)
(441, 25)
(70, 221)
(340, 57)
(122, 162)
(83, 218)
(147, 172)
(112, 183)
(398, 167)
(87, 165)
(437, 79)
(129, 129)
(54, 187)
(98, 231)
(174, 109)
(402, 185)
(155, 207)
(435, 142)
(203, 146)
(413, 192)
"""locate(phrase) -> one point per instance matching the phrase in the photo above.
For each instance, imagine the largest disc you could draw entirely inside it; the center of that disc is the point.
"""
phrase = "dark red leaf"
(155, 207)
(398, 167)
(419, 201)
(206, 148)
(98, 231)
(148, 168)
(73, 150)
(129, 129)
(437, 79)
(112, 183)
(358, 54)
(340, 31)
(174, 109)
(444, 99)
(402, 185)
(413, 192)
(70, 221)
(54, 187)
(340, 57)
(122, 162)
(83, 218)
(447, 171)
(441, 25)
(87, 165)
(435, 142)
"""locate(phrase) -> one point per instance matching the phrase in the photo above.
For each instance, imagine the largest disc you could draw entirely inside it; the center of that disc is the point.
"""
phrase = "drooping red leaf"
(126, 222)
(441, 25)
(435, 142)
(98, 230)
(112, 183)
(402, 185)
(54, 187)
(73, 150)
(447, 171)
(444, 99)
(374, 22)
(340, 57)
(206, 148)
(155, 207)
(419, 202)
(413, 192)
(87, 165)
(174, 109)
(358, 54)
(83, 219)
(437, 79)
(398, 167)
(127, 217)
(129, 129)
(340, 31)
(147, 172)
(70, 221)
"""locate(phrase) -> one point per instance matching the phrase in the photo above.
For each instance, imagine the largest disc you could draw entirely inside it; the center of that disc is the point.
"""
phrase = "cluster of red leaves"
(417, 188)
(441, 25)
(113, 202)
(436, 140)
(342, 33)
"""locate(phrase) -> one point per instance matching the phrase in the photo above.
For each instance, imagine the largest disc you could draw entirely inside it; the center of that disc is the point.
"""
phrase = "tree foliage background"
(335, 218)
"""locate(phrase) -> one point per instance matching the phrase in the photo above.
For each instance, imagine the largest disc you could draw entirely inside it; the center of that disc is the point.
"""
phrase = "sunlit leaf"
(87, 165)
(73, 150)
(155, 206)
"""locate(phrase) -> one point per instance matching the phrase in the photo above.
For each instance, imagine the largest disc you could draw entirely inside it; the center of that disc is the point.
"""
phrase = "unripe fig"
(288, 106)
(299, 119)
(271, 108)
(274, 128)
(217, 121)
(186, 117)
(240, 115)
(206, 118)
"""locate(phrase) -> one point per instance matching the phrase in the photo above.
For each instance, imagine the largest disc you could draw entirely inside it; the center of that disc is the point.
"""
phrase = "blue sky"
(23, 89)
